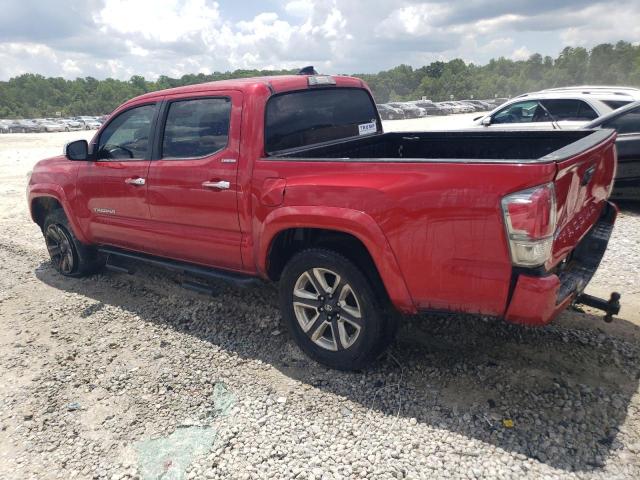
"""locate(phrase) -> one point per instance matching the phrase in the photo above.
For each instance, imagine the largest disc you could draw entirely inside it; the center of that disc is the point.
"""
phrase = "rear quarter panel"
(442, 221)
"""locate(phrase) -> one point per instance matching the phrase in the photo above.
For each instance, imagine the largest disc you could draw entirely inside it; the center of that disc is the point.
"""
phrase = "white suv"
(553, 109)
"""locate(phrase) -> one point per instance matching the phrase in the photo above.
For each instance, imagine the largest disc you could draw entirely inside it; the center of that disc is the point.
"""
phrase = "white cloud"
(172, 37)
(521, 53)
(299, 8)
(158, 20)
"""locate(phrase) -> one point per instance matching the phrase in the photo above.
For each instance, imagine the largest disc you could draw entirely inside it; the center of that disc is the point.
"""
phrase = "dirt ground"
(90, 367)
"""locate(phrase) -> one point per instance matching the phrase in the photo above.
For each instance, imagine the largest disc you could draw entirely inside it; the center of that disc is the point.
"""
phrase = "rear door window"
(570, 110)
(196, 127)
(307, 117)
(628, 122)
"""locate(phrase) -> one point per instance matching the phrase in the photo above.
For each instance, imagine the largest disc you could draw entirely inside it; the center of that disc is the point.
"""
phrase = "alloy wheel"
(327, 309)
(60, 249)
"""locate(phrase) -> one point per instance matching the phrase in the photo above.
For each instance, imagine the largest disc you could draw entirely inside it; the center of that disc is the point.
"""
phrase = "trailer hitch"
(611, 307)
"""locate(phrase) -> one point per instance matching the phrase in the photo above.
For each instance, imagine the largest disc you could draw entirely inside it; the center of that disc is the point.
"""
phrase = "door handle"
(221, 185)
(135, 181)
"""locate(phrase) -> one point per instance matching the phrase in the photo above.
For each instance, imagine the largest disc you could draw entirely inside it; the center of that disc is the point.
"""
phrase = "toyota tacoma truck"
(291, 179)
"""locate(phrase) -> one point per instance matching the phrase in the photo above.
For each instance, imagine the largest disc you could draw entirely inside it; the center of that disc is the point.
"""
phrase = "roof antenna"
(308, 71)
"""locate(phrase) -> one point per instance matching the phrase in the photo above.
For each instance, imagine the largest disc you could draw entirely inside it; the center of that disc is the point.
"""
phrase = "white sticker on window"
(366, 128)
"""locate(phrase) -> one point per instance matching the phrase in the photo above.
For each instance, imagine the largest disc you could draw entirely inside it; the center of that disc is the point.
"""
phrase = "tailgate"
(584, 179)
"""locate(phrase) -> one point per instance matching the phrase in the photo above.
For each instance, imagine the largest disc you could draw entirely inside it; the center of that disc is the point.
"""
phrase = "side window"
(520, 112)
(197, 127)
(571, 110)
(628, 122)
(615, 104)
(126, 137)
(585, 112)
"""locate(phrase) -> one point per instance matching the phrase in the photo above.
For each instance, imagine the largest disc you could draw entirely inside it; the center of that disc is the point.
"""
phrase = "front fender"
(345, 220)
(57, 192)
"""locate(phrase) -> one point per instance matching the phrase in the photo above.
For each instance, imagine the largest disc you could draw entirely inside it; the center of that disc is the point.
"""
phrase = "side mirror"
(486, 121)
(78, 150)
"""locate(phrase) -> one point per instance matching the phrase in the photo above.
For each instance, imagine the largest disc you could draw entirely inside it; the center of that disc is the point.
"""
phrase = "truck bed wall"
(521, 146)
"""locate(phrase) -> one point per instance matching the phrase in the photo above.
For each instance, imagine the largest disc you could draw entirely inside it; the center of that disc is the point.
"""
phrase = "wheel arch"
(352, 233)
(44, 200)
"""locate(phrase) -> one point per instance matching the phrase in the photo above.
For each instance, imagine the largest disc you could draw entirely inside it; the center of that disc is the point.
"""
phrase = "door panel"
(112, 190)
(193, 198)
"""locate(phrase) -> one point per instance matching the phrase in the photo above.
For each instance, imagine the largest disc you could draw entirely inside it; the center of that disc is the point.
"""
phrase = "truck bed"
(456, 146)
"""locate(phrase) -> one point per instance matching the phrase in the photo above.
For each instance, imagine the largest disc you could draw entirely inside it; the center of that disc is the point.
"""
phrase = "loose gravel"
(95, 370)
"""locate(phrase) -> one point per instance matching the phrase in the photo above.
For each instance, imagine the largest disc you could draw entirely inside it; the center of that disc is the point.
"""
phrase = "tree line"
(33, 95)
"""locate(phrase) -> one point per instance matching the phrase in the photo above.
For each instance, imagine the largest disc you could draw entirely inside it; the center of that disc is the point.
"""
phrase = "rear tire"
(331, 310)
(68, 255)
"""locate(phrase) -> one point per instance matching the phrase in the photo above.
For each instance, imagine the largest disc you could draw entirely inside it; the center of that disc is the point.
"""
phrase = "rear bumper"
(537, 299)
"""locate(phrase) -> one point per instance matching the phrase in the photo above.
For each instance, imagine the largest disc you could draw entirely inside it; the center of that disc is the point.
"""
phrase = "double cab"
(291, 179)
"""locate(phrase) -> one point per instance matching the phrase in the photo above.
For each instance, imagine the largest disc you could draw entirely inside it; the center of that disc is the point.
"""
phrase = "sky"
(121, 38)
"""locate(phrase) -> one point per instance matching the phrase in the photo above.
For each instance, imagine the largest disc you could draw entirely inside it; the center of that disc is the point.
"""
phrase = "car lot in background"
(430, 107)
(410, 110)
(552, 110)
(40, 125)
(626, 121)
(387, 112)
(455, 107)
(48, 125)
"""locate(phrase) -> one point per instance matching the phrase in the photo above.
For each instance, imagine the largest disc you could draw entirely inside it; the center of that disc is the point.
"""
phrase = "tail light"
(530, 218)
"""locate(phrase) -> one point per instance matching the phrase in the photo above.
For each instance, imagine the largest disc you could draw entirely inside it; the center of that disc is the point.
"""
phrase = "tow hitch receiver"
(610, 307)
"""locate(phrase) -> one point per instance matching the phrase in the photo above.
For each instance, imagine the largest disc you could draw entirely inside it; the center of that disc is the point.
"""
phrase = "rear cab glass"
(309, 117)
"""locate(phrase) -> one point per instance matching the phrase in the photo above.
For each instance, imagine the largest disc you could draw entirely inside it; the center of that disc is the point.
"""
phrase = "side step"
(116, 258)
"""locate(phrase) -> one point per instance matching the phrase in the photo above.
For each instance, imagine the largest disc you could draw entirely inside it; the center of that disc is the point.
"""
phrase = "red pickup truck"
(292, 179)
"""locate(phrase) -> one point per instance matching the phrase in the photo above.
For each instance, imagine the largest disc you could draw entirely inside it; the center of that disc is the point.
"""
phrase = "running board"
(236, 279)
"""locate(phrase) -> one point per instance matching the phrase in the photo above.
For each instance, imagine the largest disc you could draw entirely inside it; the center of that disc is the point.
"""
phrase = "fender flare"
(56, 192)
(345, 220)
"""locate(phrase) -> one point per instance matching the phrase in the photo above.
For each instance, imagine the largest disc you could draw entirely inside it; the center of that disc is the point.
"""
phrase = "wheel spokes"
(329, 322)
(327, 279)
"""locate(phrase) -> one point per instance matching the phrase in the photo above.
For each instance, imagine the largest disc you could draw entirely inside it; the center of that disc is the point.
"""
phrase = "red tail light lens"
(530, 218)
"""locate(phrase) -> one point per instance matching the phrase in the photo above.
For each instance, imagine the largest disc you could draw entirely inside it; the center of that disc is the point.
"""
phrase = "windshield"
(307, 117)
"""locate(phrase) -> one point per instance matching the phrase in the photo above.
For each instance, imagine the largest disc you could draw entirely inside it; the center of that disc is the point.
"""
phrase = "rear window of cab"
(308, 117)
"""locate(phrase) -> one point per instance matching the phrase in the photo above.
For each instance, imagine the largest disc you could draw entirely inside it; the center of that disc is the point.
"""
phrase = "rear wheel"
(68, 255)
(331, 310)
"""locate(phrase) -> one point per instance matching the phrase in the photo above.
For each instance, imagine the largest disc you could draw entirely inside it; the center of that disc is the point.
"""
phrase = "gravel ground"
(106, 375)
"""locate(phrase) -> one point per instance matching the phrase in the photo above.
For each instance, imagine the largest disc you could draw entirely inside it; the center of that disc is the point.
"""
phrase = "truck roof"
(276, 83)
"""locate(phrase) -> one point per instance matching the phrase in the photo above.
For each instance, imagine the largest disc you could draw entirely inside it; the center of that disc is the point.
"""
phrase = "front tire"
(331, 310)
(68, 255)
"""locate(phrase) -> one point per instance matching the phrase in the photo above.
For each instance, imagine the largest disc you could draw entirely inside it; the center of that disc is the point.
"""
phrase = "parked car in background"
(387, 112)
(71, 125)
(85, 121)
(479, 105)
(92, 124)
(464, 107)
(550, 110)
(26, 126)
(430, 107)
(4, 126)
(410, 110)
(452, 107)
(626, 121)
(631, 92)
(51, 126)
